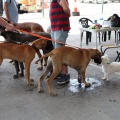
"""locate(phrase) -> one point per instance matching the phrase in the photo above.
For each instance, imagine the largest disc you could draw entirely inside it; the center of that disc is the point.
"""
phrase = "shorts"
(60, 36)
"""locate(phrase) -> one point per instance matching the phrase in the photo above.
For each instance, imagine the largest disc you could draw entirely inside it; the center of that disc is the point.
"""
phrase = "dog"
(22, 38)
(27, 26)
(22, 53)
(75, 58)
(109, 68)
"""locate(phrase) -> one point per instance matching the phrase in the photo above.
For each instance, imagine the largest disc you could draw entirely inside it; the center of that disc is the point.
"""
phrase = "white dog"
(108, 68)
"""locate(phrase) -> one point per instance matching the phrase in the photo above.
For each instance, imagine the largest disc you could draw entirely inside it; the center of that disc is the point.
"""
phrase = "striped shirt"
(59, 19)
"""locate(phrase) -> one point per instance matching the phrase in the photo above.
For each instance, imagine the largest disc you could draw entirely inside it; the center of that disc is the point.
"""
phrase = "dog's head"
(96, 55)
(6, 34)
(11, 36)
(105, 59)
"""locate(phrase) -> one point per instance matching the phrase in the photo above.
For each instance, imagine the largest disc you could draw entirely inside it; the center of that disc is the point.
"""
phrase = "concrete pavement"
(99, 102)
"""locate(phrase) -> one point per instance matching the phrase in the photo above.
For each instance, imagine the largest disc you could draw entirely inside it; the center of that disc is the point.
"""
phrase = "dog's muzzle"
(97, 58)
(98, 61)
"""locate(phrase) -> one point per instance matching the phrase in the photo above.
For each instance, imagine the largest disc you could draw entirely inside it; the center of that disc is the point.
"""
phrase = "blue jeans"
(60, 36)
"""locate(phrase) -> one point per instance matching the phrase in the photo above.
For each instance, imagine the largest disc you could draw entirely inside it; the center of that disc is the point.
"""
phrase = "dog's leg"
(17, 69)
(49, 83)
(83, 78)
(48, 69)
(79, 76)
(45, 60)
(56, 71)
(105, 77)
(22, 69)
(41, 62)
(27, 74)
(1, 61)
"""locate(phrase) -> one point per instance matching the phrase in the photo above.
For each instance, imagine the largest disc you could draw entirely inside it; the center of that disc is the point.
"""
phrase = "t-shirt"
(13, 10)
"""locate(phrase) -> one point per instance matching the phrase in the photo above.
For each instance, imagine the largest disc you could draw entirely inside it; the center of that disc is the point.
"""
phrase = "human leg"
(60, 37)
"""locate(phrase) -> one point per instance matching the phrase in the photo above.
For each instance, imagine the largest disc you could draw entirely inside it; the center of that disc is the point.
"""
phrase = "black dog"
(20, 38)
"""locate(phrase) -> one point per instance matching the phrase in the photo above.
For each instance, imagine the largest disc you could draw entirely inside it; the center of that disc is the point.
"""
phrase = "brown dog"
(22, 53)
(75, 58)
(27, 26)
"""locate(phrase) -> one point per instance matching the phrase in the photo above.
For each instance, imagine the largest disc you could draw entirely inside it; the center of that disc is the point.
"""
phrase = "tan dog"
(22, 53)
(75, 58)
(26, 26)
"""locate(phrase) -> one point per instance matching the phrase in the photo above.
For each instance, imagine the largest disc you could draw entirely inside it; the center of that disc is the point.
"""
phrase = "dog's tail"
(44, 56)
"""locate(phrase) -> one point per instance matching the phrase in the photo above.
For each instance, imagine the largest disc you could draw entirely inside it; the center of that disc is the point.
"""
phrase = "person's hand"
(9, 27)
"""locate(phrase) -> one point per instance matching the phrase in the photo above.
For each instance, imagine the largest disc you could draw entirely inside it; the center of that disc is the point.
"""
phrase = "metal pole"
(43, 7)
(102, 5)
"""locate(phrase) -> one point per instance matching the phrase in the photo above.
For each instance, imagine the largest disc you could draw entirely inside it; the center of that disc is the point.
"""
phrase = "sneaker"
(63, 79)
(59, 76)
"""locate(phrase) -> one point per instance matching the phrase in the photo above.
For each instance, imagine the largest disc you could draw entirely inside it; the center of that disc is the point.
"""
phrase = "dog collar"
(108, 63)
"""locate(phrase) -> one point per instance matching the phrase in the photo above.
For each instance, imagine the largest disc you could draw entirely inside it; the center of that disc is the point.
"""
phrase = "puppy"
(21, 38)
(75, 58)
(109, 68)
(22, 53)
(29, 27)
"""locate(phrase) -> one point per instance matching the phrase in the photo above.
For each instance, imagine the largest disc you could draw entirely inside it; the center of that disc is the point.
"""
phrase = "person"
(60, 26)
(10, 11)
(9, 27)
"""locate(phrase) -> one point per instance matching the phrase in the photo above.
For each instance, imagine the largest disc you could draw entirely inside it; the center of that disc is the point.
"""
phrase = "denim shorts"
(60, 36)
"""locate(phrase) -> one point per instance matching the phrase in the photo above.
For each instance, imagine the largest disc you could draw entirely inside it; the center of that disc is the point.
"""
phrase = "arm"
(6, 10)
(65, 7)
(6, 25)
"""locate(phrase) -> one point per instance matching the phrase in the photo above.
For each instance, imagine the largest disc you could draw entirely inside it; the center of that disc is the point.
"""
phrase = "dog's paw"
(15, 76)
(45, 64)
(40, 90)
(53, 94)
(30, 84)
(79, 80)
(31, 80)
(21, 74)
(87, 85)
(40, 68)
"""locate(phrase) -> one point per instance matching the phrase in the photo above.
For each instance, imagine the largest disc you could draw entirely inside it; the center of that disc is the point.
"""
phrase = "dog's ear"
(97, 57)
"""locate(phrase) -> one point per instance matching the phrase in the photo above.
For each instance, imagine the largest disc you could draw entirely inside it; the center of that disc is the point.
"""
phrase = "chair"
(104, 36)
(85, 22)
(118, 56)
(113, 46)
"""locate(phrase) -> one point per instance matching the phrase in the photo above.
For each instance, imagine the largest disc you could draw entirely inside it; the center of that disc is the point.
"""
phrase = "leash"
(36, 35)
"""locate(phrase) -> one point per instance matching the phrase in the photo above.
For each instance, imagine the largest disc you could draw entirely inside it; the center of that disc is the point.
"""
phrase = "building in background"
(34, 5)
